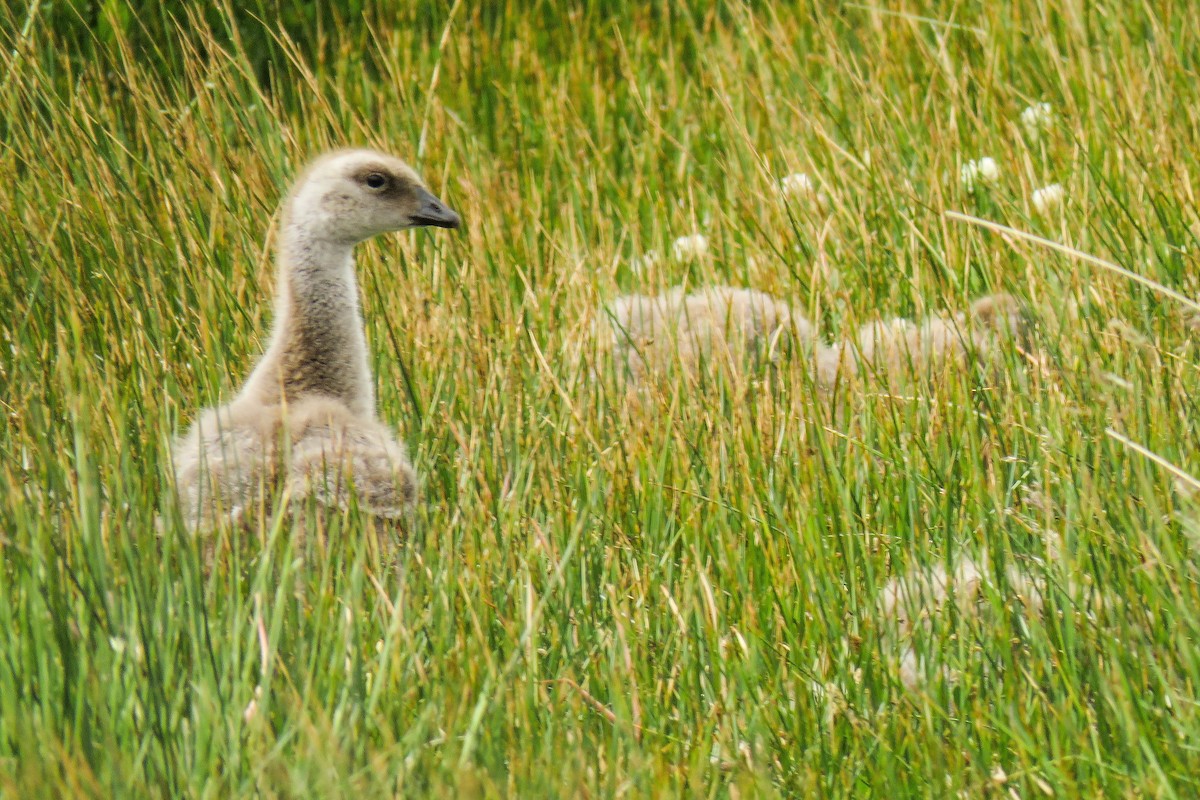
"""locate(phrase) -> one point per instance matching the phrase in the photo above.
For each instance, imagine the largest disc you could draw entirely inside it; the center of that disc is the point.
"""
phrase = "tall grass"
(677, 598)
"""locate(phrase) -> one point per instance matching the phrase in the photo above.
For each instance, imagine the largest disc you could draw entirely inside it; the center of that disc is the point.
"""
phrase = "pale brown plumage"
(304, 423)
(714, 325)
(726, 326)
(898, 351)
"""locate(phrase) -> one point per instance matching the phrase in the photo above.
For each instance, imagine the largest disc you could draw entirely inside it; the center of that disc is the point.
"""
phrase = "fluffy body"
(910, 604)
(717, 324)
(237, 457)
(722, 324)
(897, 351)
(305, 419)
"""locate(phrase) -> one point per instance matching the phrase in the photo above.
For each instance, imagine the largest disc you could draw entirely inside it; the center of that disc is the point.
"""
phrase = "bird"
(714, 325)
(650, 334)
(898, 351)
(305, 420)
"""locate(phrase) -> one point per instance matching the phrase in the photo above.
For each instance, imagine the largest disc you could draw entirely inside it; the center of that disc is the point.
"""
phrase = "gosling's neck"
(317, 345)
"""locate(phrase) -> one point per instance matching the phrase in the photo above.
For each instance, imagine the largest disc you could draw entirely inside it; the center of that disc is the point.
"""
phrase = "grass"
(595, 600)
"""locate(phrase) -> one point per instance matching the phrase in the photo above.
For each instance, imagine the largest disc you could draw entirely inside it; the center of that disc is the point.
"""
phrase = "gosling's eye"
(376, 180)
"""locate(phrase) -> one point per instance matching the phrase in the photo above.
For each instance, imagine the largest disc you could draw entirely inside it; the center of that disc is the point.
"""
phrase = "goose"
(650, 333)
(305, 417)
(898, 350)
(718, 324)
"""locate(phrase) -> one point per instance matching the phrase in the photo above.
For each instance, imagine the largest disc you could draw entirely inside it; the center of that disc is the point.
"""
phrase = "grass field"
(680, 598)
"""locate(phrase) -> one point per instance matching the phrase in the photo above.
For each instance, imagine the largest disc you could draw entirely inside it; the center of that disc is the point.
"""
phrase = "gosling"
(305, 418)
(718, 325)
(723, 325)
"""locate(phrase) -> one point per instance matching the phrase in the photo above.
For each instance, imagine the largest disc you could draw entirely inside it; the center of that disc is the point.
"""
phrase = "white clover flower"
(798, 183)
(1037, 118)
(988, 170)
(689, 248)
(1048, 198)
(979, 173)
(647, 260)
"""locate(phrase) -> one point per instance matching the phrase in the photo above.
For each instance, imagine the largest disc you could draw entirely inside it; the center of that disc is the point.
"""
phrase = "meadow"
(679, 597)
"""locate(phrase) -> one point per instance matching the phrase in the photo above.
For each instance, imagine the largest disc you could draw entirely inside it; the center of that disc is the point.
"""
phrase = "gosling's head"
(352, 195)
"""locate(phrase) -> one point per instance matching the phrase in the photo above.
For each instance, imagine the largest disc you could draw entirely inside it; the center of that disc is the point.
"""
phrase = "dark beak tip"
(435, 213)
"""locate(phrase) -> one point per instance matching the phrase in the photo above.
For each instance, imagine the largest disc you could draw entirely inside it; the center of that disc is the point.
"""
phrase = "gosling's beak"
(434, 212)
